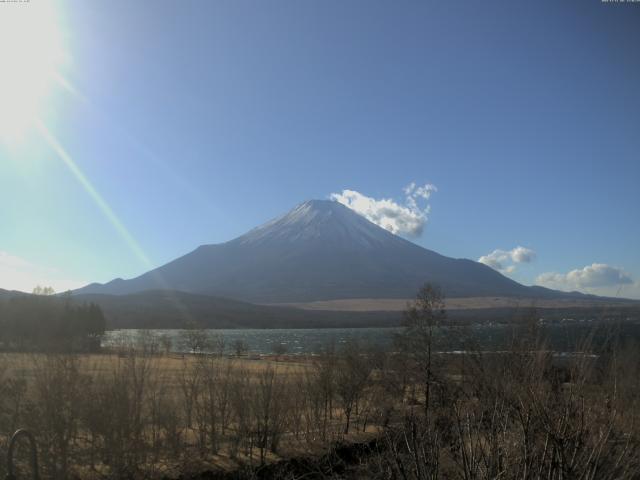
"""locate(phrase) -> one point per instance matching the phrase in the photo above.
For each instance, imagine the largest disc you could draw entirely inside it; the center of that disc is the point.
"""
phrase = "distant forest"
(47, 322)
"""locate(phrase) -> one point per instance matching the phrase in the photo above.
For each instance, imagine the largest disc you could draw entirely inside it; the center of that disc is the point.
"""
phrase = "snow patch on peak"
(320, 220)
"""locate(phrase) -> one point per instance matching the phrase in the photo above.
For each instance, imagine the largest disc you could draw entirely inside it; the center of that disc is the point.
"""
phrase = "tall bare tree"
(422, 318)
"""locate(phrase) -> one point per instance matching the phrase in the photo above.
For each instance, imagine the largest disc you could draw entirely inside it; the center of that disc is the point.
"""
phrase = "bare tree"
(354, 370)
(58, 387)
(421, 320)
(240, 347)
(279, 349)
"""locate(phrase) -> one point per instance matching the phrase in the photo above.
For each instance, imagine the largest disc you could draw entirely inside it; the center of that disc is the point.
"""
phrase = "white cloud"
(522, 255)
(506, 261)
(19, 274)
(592, 276)
(408, 219)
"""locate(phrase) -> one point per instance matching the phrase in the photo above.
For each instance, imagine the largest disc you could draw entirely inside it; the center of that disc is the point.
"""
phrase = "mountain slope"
(320, 250)
(6, 294)
(170, 309)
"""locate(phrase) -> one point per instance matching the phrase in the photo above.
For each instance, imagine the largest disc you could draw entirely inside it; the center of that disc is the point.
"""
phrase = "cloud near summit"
(505, 261)
(408, 218)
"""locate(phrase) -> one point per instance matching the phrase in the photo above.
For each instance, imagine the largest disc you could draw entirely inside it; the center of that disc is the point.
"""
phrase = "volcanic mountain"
(320, 250)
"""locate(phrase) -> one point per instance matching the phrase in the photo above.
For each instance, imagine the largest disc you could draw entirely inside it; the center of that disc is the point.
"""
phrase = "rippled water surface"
(564, 338)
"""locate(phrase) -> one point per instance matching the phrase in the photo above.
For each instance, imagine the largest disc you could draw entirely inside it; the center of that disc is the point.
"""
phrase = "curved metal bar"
(34, 453)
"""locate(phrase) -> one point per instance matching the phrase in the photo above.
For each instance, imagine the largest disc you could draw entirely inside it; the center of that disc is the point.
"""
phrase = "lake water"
(315, 340)
(261, 341)
(561, 337)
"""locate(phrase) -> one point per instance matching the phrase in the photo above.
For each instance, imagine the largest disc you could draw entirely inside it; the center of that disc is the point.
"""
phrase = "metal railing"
(34, 454)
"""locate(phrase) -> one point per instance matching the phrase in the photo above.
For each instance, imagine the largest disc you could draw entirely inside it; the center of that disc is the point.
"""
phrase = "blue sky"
(175, 124)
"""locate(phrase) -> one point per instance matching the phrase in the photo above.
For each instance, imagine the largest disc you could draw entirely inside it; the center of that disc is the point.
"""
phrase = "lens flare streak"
(93, 193)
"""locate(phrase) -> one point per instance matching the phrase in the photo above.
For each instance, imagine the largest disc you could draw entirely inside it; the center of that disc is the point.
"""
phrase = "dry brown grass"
(171, 365)
(466, 303)
(133, 414)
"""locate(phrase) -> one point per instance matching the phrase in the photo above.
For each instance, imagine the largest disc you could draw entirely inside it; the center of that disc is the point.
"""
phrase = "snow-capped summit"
(319, 221)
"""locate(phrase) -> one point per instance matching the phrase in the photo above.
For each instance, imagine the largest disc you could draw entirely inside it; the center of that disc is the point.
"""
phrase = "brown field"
(166, 413)
(514, 414)
(171, 365)
(467, 303)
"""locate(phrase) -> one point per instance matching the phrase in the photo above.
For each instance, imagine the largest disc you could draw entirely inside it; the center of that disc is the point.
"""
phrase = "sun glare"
(31, 52)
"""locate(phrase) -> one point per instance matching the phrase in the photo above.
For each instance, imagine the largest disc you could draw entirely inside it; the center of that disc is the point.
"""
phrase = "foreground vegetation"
(520, 413)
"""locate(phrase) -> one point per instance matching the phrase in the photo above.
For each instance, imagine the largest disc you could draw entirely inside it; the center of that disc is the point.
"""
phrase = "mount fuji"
(320, 250)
